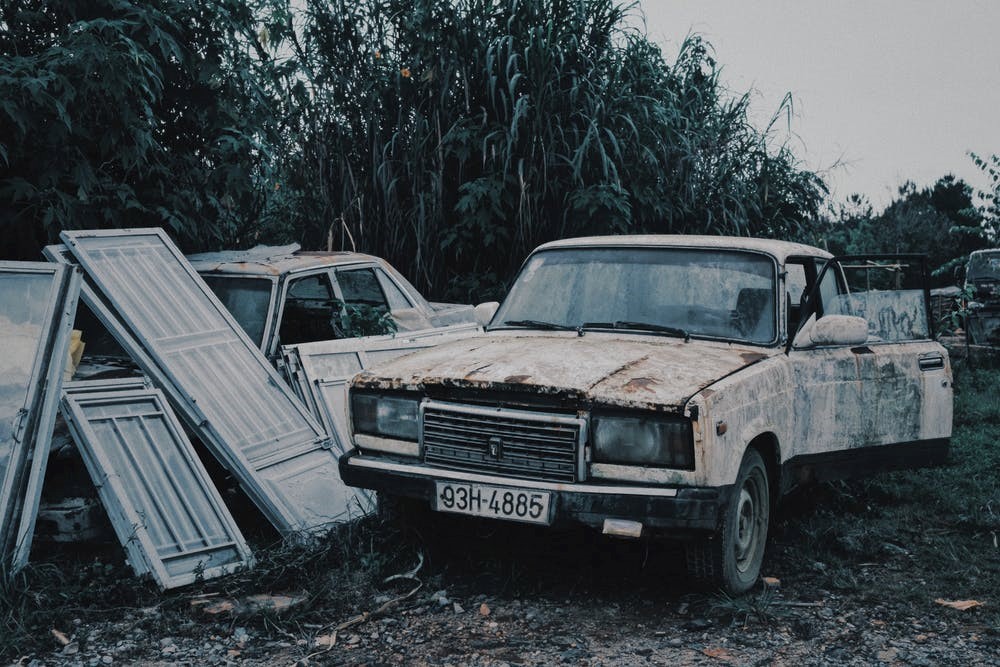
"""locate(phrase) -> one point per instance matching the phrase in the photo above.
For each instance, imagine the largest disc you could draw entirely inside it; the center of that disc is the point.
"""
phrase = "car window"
(365, 309)
(246, 298)
(797, 283)
(309, 311)
(705, 292)
(360, 287)
(830, 289)
(397, 300)
(887, 291)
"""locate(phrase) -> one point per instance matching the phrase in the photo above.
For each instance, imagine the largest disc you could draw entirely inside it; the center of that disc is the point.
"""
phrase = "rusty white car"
(670, 386)
(282, 295)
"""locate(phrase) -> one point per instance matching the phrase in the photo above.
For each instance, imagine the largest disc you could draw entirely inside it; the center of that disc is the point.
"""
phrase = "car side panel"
(915, 392)
(753, 401)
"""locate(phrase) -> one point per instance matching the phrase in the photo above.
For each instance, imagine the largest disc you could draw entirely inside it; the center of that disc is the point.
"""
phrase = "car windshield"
(673, 291)
(247, 299)
(984, 266)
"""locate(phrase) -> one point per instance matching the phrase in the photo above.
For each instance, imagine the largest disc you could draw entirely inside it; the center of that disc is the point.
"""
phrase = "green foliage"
(116, 113)
(990, 199)
(359, 320)
(756, 608)
(957, 312)
(940, 221)
(452, 137)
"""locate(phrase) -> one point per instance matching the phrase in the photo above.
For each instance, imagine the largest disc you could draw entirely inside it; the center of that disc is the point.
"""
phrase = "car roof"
(778, 249)
(271, 260)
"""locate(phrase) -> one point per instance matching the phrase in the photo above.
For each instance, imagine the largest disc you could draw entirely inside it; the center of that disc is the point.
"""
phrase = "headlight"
(386, 415)
(643, 440)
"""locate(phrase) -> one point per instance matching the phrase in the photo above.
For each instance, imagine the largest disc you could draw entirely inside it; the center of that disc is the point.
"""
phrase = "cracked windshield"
(679, 291)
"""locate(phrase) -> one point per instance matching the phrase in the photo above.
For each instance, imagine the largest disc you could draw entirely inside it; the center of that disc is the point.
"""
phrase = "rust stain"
(476, 370)
(621, 369)
(752, 357)
(635, 384)
(247, 267)
(516, 379)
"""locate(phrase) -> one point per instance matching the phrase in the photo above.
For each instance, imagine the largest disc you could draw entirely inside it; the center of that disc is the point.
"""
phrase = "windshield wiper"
(539, 324)
(639, 326)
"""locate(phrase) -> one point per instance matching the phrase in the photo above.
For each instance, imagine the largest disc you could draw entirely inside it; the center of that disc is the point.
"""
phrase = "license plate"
(495, 502)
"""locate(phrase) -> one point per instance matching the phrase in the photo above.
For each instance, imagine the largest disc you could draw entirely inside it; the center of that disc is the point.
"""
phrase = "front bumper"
(660, 509)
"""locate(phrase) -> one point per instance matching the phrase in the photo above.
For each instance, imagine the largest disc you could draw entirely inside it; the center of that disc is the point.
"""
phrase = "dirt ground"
(503, 595)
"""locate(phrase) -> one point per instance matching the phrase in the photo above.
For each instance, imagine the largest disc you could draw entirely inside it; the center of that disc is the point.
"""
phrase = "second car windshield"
(699, 292)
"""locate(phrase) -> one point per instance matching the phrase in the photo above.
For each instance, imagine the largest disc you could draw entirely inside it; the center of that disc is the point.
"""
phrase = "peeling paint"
(620, 370)
(271, 260)
(637, 384)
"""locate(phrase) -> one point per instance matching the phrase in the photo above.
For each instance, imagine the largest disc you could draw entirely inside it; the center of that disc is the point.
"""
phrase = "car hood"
(610, 369)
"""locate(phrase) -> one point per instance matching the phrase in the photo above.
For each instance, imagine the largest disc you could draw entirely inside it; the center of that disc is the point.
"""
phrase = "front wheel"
(732, 559)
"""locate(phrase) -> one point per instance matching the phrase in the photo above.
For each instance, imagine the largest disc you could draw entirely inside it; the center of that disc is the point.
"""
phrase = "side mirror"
(834, 330)
(485, 312)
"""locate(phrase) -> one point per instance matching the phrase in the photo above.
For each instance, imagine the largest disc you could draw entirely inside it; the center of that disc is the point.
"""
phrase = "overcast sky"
(896, 89)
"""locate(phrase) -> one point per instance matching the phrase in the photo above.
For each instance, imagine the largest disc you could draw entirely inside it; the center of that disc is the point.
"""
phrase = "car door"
(309, 310)
(829, 404)
(911, 387)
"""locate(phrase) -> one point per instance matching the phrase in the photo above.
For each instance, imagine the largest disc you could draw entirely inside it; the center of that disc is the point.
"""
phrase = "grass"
(757, 607)
(337, 573)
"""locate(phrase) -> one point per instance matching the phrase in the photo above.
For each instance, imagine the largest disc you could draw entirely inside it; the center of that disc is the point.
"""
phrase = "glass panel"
(984, 266)
(889, 293)
(795, 283)
(830, 290)
(719, 294)
(366, 312)
(247, 299)
(24, 301)
(796, 286)
(360, 287)
(309, 311)
(397, 300)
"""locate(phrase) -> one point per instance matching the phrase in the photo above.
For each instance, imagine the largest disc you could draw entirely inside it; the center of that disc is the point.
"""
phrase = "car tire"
(731, 560)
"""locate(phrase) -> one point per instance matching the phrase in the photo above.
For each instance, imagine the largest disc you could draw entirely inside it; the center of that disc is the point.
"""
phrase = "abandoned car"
(669, 386)
(282, 295)
(320, 317)
(982, 284)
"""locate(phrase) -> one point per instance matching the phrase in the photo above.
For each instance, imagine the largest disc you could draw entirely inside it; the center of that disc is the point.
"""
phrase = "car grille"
(519, 443)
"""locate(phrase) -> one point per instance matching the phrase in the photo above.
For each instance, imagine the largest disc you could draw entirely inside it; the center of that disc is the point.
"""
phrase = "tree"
(940, 221)
(989, 199)
(116, 113)
(452, 137)
(449, 136)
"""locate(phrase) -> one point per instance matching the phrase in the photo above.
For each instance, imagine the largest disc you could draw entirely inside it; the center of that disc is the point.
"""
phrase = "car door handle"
(931, 362)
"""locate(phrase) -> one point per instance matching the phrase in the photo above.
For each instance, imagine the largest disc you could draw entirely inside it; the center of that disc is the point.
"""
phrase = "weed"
(757, 607)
